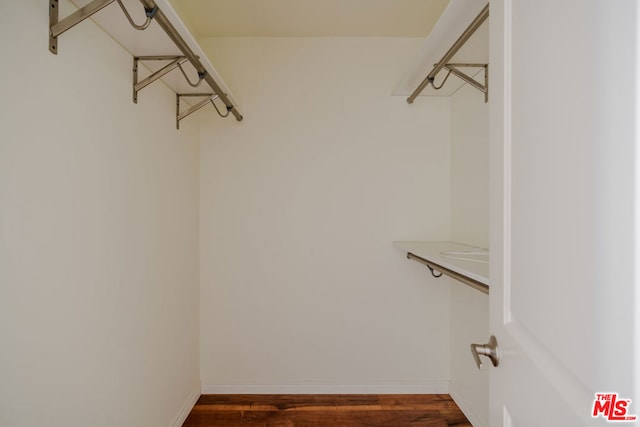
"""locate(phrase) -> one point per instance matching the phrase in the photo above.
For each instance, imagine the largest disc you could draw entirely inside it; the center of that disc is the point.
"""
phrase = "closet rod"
(464, 279)
(466, 35)
(168, 28)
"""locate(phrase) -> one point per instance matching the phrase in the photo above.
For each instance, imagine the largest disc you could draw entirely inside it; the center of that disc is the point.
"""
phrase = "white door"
(564, 93)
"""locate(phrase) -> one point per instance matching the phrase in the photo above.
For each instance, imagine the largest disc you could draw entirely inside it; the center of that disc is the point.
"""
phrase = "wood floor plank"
(318, 418)
(437, 410)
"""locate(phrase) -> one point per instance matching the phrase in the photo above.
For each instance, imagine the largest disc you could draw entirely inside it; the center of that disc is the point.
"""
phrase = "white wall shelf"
(467, 264)
(165, 39)
(454, 19)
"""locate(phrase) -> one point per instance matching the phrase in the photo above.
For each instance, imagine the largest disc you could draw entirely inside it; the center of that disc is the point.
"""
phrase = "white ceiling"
(310, 18)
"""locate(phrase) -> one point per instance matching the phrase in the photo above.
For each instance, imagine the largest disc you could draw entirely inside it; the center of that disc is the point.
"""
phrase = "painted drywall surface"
(98, 234)
(470, 225)
(470, 168)
(301, 288)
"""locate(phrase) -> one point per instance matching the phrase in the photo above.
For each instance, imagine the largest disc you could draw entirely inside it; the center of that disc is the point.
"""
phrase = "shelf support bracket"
(57, 27)
(176, 61)
(179, 116)
(484, 88)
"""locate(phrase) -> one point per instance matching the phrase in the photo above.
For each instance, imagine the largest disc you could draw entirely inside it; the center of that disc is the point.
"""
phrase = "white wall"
(301, 287)
(98, 235)
(470, 168)
(469, 225)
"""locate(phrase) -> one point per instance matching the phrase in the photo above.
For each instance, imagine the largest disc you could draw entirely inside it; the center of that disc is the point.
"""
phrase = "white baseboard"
(435, 387)
(186, 408)
(464, 406)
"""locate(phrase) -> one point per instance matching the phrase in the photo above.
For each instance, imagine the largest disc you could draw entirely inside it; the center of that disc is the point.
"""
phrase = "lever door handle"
(489, 349)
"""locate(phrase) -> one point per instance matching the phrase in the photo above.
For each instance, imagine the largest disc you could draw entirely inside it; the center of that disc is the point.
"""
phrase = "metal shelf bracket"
(176, 61)
(57, 27)
(209, 98)
(484, 88)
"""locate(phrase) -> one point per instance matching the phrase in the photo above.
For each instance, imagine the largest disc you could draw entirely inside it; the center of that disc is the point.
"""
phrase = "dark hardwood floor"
(292, 410)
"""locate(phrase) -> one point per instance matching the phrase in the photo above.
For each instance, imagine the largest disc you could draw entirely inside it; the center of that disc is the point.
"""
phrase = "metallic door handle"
(489, 349)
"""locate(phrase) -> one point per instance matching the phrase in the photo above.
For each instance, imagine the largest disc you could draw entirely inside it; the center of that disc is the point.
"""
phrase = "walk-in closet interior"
(195, 208)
